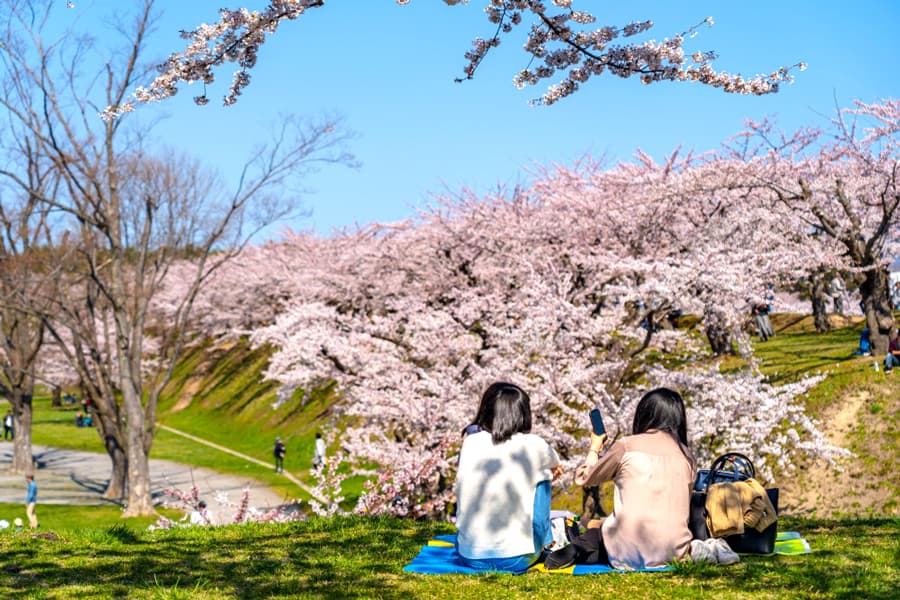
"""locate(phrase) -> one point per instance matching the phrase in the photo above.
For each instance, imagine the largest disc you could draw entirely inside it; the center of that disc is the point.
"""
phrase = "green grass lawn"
(355, 557)
(62, 517)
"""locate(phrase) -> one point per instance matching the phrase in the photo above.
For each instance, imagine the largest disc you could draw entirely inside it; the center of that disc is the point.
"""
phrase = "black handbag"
(731, 467)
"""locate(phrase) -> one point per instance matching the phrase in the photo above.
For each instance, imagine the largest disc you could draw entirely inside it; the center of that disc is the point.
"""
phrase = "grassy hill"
(857, 406)
(217, 393)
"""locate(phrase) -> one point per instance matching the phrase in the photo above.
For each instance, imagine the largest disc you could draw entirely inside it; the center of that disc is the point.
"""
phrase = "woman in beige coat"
(653, 471)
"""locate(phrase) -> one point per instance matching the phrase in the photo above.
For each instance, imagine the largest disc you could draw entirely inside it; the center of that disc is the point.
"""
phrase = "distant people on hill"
(760, 312)
(201, 516)
(770, 297)
(279, 451)
(318, 460)
(31, 500)
(895, 296)
(79, 420)
(892, 358)
(8, 433)
(838, 288)
(865, 344)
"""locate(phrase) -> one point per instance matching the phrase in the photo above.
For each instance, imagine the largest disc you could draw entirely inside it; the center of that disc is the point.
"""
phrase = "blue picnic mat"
(439, 557)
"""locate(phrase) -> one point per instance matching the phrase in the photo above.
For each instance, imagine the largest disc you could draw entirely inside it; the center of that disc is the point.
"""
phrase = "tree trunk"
(718, 331)
(875, 291)
(140, 502)
(720, 340)
(108, 429)
(57, 397)
(23, 460)
(818, 295)
(117, 486)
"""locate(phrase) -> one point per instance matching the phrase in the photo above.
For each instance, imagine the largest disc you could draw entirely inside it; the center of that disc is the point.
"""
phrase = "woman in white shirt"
(503, 485)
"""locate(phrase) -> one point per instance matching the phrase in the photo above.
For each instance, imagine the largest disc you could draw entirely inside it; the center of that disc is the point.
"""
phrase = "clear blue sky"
(389, 70)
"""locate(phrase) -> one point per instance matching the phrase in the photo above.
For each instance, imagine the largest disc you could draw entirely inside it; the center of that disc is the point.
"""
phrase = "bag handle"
(722, 461)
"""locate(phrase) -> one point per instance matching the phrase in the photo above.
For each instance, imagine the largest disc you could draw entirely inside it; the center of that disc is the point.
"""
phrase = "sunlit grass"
(358, 557)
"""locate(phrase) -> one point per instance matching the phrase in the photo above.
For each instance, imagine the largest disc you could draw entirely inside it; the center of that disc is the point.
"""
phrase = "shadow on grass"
(242, 561)
(358, 557)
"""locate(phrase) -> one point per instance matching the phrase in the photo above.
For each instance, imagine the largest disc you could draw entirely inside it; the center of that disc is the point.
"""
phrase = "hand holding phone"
(597, 422)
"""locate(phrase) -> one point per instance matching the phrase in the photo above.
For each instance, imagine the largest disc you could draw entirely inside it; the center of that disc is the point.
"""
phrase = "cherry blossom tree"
(566, 287)
(563, 43)
(838, 187)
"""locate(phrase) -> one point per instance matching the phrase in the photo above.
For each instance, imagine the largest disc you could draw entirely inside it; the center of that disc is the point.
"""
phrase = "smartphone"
(597, 422)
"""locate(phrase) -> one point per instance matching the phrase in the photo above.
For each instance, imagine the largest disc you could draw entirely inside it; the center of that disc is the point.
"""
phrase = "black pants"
(590, 549)
(279, 464)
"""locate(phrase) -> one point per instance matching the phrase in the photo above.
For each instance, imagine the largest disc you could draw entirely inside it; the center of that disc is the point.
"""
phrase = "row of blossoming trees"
(565, 286)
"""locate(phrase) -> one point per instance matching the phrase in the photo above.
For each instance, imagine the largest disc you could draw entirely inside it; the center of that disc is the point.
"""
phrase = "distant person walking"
(31, 501)
(838, 288)
(279, 453)
(760, 313)
(319, 452)
(8, 433)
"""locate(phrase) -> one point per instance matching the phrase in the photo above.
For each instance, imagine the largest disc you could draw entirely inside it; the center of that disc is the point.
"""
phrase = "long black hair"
(662, 409)
(505, 409)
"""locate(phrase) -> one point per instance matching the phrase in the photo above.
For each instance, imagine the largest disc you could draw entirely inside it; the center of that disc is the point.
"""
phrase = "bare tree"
(27, 278)
(131, 212)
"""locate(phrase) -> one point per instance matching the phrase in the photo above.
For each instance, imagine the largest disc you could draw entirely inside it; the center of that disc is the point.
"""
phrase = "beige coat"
(653, 478)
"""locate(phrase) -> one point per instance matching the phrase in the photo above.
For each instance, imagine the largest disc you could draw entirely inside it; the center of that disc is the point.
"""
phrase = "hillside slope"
(217, 392)
(857, 406)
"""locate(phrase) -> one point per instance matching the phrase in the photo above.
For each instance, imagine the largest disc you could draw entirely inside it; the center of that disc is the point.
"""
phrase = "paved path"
(268, 465)
(76, 477)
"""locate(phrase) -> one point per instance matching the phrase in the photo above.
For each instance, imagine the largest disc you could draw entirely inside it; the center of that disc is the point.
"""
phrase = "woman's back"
(653, 479)
(495, 490)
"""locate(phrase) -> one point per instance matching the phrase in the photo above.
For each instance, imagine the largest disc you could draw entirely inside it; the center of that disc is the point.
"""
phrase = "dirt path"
(864, 485)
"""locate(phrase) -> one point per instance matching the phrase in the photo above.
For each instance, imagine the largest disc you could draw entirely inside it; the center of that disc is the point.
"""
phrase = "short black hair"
(505, 409)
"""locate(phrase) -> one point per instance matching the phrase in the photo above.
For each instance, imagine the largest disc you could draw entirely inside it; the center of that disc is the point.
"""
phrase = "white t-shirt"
(495, 493)
(202, 518)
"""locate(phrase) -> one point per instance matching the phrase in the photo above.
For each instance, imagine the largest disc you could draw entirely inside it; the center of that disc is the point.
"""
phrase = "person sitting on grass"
(653, 471)
(201, 516)
(892, 358)
(503, 485)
